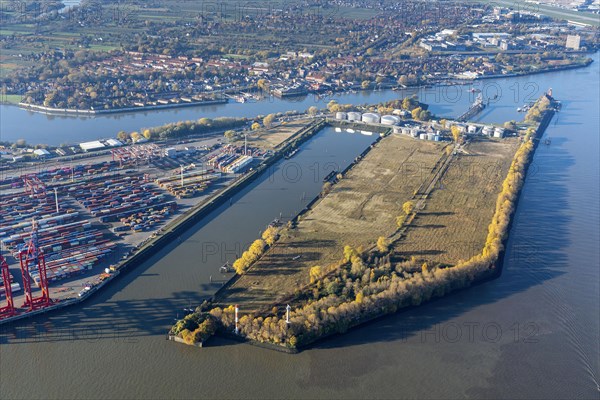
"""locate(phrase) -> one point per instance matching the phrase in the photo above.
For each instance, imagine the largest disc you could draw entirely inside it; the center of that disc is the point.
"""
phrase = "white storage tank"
(423, 136)
(499, 132)
(341, 115)
(436, 138)
(430, 136)
(406, 130)
(471, 129)
(354, 116)
(397, 130)
(390, 120)
(487, 130)
(414, 132)
(371, 118)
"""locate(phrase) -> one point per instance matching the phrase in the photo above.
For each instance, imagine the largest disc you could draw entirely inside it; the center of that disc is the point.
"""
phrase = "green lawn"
(10, 98)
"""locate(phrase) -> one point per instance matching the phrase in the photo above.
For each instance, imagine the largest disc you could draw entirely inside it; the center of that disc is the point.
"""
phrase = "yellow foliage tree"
(456, 133)
(408, 207)
(400, 220)
(359, 297)
(268, 120)
(270, 235)
(382, 244)
(315, 273)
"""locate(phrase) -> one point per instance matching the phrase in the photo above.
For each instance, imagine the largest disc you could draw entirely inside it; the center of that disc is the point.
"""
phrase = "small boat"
(291, 154)
(296, 258)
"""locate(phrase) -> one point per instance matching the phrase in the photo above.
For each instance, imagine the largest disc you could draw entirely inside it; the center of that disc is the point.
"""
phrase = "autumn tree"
(255, 126)
(416, 113)
(122, 136)
(262, 84)
(268, 120)
(312, 110)
(270, 235)
(383, 244)
(408, 207)
(333, 106)
(229, 134)
(315, 273)
(400, 220)
(456, 133)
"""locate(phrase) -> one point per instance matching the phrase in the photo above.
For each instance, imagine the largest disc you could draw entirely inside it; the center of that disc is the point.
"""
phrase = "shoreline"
(450, 81)
(177, 226)
(81, 112)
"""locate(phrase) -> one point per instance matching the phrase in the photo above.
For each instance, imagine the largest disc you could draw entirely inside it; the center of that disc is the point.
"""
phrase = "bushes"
(195, 327)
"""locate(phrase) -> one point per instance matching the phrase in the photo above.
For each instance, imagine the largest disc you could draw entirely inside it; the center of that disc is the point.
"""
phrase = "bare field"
(269, 139)
(360, 208)
(453, 224)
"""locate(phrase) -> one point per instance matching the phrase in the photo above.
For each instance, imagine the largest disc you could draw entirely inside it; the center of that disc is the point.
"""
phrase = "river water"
(443, 100)
(533, 332)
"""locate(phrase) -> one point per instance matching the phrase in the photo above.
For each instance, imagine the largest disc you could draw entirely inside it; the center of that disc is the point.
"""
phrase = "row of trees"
(185, 128)
(256, 249)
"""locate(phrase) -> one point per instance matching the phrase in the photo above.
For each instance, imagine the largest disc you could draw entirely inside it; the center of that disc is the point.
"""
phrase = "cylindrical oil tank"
(371, 118)
(354, 116)
(472, 129)
(406, 130)
(499, 132)
(430, 136)
(341, 115)
(423, 136)
(390, 120)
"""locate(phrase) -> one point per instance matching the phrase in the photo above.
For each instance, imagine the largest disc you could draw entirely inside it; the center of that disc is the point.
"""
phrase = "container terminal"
(64, 229)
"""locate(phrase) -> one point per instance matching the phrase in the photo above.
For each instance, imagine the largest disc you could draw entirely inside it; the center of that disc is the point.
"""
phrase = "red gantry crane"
(9, 309)
(34, 187)
(34, 257)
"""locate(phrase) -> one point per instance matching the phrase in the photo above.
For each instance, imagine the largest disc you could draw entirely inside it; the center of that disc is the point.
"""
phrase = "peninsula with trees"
(410, 221)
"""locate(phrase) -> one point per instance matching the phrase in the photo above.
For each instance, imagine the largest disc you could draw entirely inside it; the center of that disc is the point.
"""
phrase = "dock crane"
(33, 256)
(9, 309)
(34, 187)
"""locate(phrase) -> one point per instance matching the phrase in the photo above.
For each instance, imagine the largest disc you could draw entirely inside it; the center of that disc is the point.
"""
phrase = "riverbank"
(82, 112)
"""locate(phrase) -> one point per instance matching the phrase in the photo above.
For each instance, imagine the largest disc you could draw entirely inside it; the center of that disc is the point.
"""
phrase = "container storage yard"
(66, 228)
